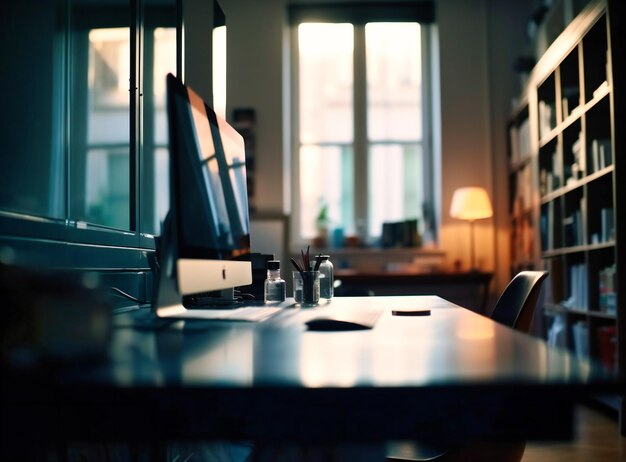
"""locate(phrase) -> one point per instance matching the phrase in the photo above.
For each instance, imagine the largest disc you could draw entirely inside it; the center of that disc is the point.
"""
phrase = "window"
(104, 152)
(363, 152)
(100, 147)
(86, 179)
(160, 46)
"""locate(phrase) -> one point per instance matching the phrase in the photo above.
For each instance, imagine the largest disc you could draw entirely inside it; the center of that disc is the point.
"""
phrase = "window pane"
(164, 63)
(326, 179)
(395, 191)
(393, 54)
(100, 124)
(325, 85)
(219, 71)
(106, 196)
(160, 45)
(32, 47)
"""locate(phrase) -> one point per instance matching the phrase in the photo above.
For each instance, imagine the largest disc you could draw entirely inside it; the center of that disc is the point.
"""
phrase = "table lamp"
(471, 203)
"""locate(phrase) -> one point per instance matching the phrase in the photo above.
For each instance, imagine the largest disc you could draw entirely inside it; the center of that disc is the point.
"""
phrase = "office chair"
(515, 308)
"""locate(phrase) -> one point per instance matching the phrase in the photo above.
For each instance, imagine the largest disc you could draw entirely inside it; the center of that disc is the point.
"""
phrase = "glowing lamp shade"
(471, 203)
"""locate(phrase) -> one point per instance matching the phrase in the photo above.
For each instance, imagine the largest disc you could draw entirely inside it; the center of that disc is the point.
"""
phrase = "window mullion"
(361, 173)
(428, 129)
(295, 144)
(135, 94)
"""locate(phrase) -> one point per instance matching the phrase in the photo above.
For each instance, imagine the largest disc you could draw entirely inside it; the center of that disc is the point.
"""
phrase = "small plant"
(322, 220)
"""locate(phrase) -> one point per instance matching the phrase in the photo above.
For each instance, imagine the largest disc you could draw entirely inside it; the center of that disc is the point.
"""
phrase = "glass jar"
(275, 286)
(306, 287)
(327, 278)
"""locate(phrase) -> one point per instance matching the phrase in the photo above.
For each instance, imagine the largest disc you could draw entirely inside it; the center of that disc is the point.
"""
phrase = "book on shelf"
(551, 225)
(595, 156)
(546, 227)
(579, 160)
(601, 154)
(570, 100)
(581, 212)
(547, 118)
(578, 289)
(568, 230)
(524, 139)
(522, 239)
(557, 171)
(520, 141)
(557, 331)
(580, 339)
(573, 229)
(607, 226)
(606, 285)
(605, 153)
(546, 182)
(523, 191)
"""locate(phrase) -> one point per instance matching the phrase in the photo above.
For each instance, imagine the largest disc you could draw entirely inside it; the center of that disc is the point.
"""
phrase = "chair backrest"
(516, 306)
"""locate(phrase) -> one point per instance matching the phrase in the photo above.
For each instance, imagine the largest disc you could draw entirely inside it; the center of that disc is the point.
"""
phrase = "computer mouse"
(329, 324)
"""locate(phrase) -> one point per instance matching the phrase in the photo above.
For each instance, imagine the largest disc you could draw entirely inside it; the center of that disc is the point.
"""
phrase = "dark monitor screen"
(207, 232)
(208, 190)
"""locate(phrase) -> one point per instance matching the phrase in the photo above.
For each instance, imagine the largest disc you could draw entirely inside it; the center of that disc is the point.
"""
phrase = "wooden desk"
(276, 380)
(468, 289)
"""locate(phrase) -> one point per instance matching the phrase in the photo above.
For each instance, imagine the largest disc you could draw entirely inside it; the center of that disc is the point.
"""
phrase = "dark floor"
(597, 439)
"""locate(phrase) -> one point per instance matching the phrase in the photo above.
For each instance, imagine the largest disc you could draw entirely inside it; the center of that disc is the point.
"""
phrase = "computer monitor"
(205, 243)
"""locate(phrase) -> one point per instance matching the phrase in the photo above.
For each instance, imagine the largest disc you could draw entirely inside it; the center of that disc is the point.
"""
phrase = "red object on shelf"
(607, 339)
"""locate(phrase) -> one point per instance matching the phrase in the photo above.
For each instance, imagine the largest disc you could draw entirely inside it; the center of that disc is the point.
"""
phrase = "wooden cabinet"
(566, 145)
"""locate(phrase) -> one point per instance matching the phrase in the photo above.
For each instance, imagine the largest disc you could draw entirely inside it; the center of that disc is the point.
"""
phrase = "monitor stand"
(165, 288)
(163, 263)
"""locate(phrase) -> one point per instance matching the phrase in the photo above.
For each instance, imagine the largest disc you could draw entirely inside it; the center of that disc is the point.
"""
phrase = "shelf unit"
(565, 147)
(521, 192)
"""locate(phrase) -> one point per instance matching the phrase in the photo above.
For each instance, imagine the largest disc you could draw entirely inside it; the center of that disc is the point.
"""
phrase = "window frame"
(361, 143)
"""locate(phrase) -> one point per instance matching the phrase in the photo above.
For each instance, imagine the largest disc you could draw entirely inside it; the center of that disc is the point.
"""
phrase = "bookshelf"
(521, 194)
(565, 141)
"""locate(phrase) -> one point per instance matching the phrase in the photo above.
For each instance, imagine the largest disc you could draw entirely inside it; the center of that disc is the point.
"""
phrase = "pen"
(318, 262)
(295, 264)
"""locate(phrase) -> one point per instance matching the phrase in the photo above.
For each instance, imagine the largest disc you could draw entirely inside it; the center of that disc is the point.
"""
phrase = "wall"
(197, 58)
(506, 25)
(477, 83)
(465, 130)
(255, 39)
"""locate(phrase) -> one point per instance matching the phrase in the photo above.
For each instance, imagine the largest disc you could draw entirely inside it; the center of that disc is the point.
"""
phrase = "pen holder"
(306, 287)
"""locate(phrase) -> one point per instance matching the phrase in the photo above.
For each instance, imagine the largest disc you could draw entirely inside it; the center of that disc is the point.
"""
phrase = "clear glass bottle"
(275, 286)
(327, 278)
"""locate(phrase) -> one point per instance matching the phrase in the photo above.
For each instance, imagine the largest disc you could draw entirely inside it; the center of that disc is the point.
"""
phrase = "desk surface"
(452, 346)
(275, 379)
